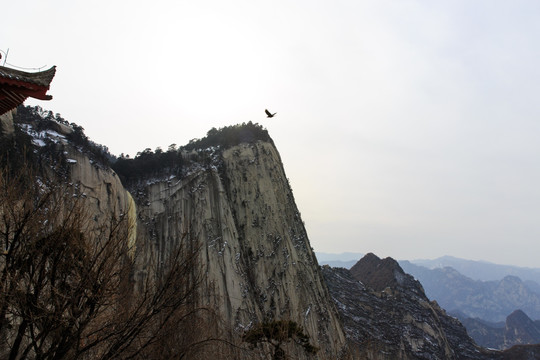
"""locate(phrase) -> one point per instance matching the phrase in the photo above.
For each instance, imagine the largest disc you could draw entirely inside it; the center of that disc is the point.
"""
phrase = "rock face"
(254, 248)
(256, 262)
(379, 274)
(520, 329)
(236, 207)
(387, 315)
(6, 123)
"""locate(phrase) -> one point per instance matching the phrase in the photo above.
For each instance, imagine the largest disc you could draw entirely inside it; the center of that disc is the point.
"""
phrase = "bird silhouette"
(269, 114)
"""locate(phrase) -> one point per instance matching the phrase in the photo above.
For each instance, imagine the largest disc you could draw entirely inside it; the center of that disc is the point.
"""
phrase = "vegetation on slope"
(34, 123)
(175, 161)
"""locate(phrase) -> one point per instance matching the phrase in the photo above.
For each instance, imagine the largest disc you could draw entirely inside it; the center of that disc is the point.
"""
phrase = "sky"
(407, 128)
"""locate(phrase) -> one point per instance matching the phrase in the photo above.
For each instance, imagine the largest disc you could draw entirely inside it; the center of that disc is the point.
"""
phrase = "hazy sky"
(407, 128)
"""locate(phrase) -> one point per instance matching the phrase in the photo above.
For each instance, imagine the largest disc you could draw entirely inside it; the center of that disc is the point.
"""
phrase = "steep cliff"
(235, 205)
(87, 177)
(254, 247)
(231, 201)
(6, 123)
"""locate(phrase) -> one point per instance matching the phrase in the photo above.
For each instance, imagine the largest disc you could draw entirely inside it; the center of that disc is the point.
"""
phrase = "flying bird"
(269, 114)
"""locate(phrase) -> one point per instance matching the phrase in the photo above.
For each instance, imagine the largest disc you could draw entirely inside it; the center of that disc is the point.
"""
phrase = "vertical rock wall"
(6, 123)
(256, 256)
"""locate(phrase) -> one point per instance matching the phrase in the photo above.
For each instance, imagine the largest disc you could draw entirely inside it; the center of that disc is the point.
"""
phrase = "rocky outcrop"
(6, 123)
(386, 315)
(256, 264)
(237, 208)
(255, 253)
(518, 329)
(379, 274)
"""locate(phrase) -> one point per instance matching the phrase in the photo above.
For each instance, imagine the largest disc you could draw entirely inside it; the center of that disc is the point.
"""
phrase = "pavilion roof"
(16, 86)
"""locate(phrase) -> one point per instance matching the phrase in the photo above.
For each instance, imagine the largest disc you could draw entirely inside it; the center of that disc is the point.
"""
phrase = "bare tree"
(67, 286)
(277, 333)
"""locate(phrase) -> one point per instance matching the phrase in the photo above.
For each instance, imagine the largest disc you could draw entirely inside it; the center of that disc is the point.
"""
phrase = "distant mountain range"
(482, 270)
(496, 303)
(488, 300)
(386, 315)
(345, 260)
(476, 270)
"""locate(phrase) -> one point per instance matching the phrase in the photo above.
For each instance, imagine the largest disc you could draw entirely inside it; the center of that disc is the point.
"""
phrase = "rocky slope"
(254, 247)
(84, 176)
(235, 205)
(387, 315)
(232, 203)
(518, 329)
(6, 123)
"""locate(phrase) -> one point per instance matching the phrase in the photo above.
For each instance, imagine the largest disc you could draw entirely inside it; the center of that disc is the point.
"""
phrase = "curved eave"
(23, 78)
(16, 86)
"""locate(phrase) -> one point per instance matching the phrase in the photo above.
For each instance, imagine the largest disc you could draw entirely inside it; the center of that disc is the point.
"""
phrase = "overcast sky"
(407, 128)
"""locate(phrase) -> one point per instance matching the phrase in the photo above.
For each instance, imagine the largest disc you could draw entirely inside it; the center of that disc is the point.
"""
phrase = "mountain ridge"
(488, 300)
(235, 206)
(232, 203)
(475, 269)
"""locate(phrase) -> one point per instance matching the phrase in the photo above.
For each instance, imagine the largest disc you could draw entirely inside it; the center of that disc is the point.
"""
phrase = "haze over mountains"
(476, 270)
(226, 196)
(498, 308)
(489, 300)
(470, 288)
(518, 328)
(481, 270)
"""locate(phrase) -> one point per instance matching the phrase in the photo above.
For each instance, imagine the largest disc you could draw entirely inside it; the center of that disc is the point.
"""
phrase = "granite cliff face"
(6, 123)
(84, 176)
(235, 206)
(254, 247)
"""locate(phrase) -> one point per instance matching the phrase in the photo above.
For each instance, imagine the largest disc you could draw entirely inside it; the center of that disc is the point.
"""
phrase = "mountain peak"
(379, 274)
(520, 329)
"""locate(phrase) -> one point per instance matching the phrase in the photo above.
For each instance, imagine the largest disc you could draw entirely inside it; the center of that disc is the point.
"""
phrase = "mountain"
(488, 300)
(476, 270)
(339, 263)
(484, 333)
(345, 256)
(227, 198)
(247, 276)
(481, 270)
(254, 248)
(518, 329)
(386, 315)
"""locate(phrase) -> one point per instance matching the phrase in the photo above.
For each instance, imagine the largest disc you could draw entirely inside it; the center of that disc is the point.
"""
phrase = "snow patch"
(38, 142)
